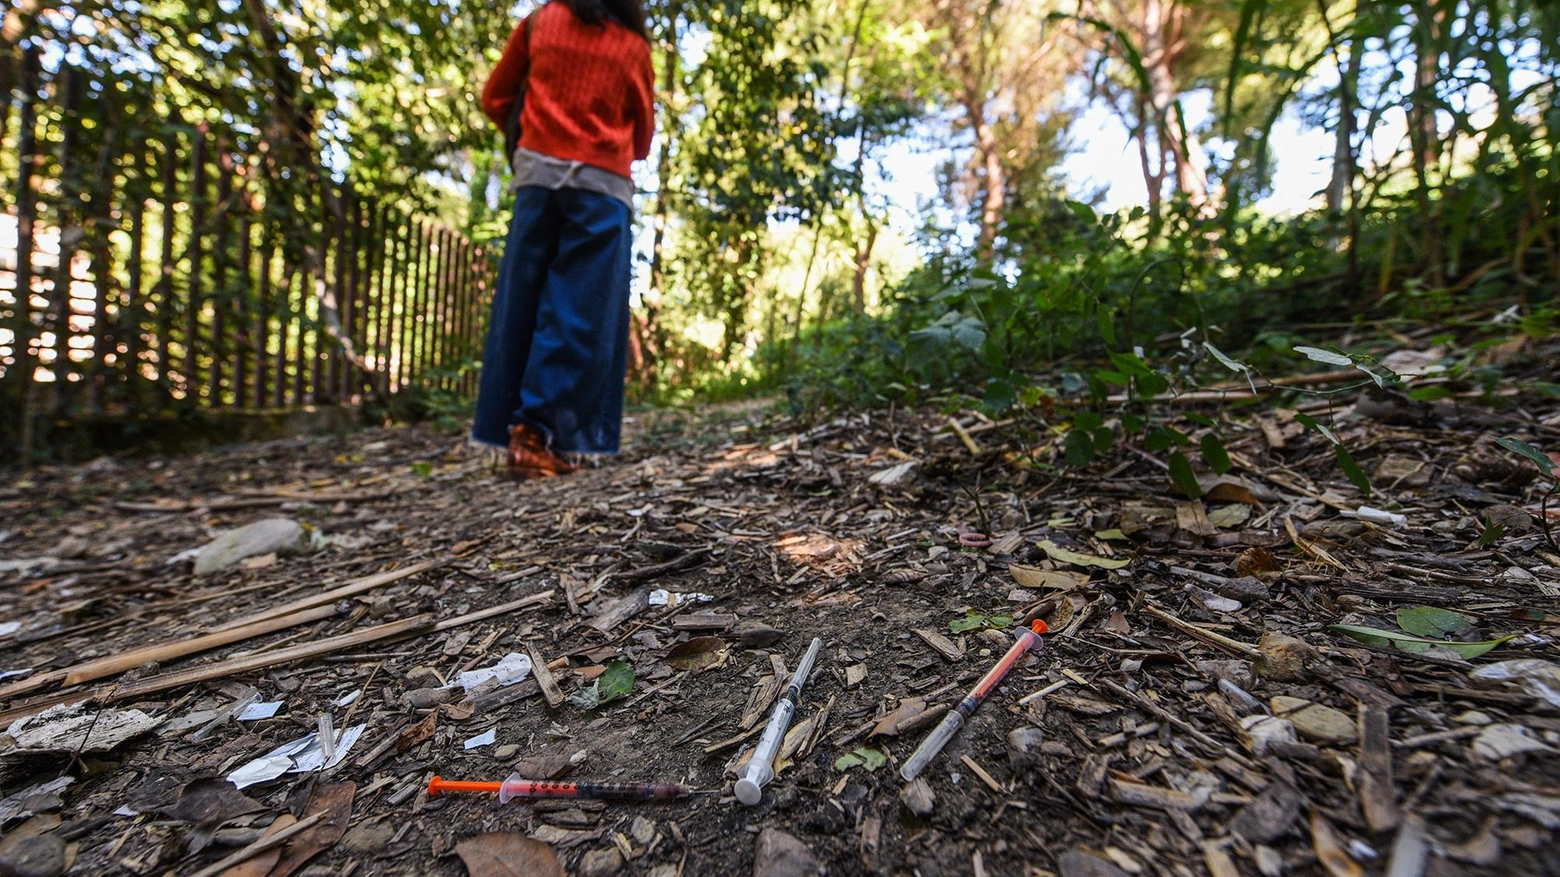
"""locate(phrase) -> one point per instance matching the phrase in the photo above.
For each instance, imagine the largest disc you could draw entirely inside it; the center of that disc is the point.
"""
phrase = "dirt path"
(1191, 711)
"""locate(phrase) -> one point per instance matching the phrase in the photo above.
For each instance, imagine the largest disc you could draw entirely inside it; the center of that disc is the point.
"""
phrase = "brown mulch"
(1199, 715)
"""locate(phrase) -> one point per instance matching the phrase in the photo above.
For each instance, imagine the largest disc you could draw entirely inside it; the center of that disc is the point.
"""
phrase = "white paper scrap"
(261, 770)
(513, 668)
(9, 627)
(486, 738)
(313, 758)
(349, 698)
(295, 756)
(257, 711)
(7, 674)
(126, 810)
(660, 597)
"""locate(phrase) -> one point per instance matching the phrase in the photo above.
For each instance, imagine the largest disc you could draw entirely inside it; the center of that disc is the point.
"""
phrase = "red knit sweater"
(589, 95)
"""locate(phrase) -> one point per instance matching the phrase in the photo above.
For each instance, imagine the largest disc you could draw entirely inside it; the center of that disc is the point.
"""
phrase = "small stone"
(1283, 657)
(279, 535)
(1238, 672)
(918, 798)
(1268, 816)
(758, 636)
(1316, 721)
(663, 871)
(1473, 717)
(368, 838)
(780, 855)
(1024, 747)
(1247, 589)
(427, 698)
(1264, 731)
(506, 751)
(1498, 742)
(41, 855)
(642, 831)
(1078, 863)
(601, 863)
(423, 678)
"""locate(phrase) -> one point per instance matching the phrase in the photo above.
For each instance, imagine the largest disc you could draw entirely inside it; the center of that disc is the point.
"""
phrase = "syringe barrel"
(932, 745)
(760, 767)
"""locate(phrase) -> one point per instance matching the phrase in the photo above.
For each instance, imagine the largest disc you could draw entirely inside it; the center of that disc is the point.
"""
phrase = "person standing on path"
(552, 377)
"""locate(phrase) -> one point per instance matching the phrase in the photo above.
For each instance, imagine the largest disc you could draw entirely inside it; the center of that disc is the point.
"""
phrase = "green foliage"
(1418, 645)
(862, 756)
(975, 621)
(1430, 621)
(1545, 465)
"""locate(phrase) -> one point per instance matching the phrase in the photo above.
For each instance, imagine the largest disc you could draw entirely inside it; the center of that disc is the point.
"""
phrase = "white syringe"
(760, 767)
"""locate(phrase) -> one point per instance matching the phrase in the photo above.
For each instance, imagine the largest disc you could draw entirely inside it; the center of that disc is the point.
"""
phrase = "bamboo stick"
(350, 589)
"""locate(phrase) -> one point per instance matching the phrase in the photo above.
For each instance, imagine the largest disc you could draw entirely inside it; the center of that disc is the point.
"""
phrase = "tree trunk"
(1162, 45)
(1343, 137)
(858, 286)
(649, 325)
(994, 202)
(1423, 136)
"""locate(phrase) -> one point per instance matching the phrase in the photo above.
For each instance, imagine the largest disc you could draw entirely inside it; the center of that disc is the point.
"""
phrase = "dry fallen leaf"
(908, 710)
(417, 733)
(699, 653)
(508, 854)
(1076, 558)
(1329, 852)
(1034, 577)
(334, 799)
(261, 865)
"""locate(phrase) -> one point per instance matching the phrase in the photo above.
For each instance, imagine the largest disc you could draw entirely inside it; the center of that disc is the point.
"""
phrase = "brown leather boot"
(529, 456)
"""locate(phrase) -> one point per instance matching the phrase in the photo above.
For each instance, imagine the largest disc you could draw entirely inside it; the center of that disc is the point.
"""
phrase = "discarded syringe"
(954, 720)
(520, 787)
(761, 764)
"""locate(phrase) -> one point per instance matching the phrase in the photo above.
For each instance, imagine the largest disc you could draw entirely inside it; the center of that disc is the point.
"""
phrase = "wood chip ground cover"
(1194, 709)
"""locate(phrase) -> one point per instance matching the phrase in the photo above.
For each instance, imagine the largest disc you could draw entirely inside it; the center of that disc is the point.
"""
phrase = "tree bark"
(648, 327)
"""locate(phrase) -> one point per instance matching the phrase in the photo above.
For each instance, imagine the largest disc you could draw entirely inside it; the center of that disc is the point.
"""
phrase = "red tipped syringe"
(519, 787)
(1028, 638)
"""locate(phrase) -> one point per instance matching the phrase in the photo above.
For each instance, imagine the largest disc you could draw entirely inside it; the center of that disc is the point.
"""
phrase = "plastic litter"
(1535, 676)
(761, 766)
(297, 756)
(517, 786)
(512, 668)
(951, 723)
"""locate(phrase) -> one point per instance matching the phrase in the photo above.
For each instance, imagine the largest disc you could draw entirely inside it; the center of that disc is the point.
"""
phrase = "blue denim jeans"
(557, 342)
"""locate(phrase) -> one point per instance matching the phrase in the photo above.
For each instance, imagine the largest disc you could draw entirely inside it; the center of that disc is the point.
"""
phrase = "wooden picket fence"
(143, 272)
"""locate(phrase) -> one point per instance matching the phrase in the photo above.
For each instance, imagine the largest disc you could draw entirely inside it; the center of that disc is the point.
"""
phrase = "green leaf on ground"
(1063, 555)
(861, 756)
(1375, 636)
(616, 682)
(1214, 455)
(1430, 621)
(1539, 458)
(1182, 476)
(1353, 470)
